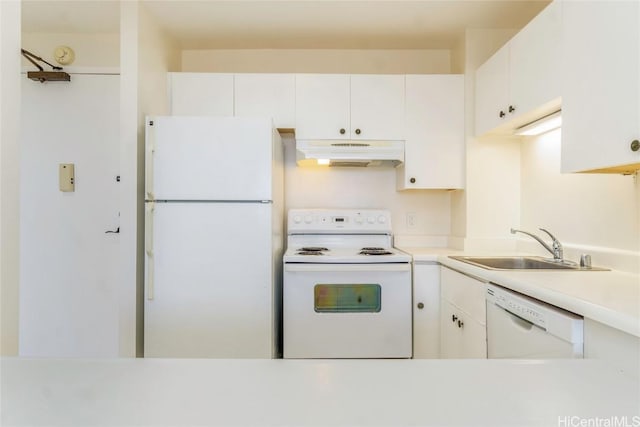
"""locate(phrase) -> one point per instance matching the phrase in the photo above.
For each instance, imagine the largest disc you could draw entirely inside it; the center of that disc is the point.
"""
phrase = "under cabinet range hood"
(349, 153)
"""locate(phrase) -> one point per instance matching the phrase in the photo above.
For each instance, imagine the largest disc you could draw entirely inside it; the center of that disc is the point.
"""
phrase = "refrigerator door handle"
(148, 247)
(149, 162)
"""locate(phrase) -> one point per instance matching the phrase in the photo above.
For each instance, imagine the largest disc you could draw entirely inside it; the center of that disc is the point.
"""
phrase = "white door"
(201, 94)
(68, 262)
(267, 95)
(492, 92)
(209, 280)
(209, 158)
(322, 106)
(377, 107)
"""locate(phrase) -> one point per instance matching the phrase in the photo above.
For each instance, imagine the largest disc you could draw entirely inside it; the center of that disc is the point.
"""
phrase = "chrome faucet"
(555, 249)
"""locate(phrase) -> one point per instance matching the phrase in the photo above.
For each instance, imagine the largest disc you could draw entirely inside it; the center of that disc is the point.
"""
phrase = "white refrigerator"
(213, 237)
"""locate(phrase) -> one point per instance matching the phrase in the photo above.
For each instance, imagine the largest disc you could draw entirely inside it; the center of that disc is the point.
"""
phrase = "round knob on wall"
(420, 305)
(635, 145)
(342, 131)
(412, 180)
(358, 131)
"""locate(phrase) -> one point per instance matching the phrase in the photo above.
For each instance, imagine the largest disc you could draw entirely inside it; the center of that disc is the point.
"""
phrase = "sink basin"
(521, 263)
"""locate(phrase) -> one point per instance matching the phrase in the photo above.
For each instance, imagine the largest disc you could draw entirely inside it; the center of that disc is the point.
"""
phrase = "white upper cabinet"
(267, 95)
(337, 106)
(521, 81)
(601, 86)
(434, 133)
(377, 107)
(200, 94)
(492, 91)
(534, 61)
(322, 106)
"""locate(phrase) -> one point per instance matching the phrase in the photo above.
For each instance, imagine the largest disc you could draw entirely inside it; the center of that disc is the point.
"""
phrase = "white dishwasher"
(520, 327)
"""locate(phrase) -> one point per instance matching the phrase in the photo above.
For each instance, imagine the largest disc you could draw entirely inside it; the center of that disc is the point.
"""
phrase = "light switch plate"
(66, 176)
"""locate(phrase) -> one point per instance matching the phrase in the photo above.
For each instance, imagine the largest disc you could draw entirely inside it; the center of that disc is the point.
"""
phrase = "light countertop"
(608, 297)
(222, 392)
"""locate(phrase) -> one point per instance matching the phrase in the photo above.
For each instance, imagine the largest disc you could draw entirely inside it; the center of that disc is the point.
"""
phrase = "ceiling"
(293, 24)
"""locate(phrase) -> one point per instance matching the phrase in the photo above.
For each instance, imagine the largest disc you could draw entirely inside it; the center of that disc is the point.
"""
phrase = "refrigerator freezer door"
(209, 158)
(213, 275)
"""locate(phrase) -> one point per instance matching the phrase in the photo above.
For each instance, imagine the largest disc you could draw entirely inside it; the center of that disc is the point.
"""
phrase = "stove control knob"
(371, 220)
(308, 219)
(382, 219)
(297, 219)
(359, 220)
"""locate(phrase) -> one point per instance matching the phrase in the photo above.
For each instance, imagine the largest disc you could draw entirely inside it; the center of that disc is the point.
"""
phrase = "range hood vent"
(341, 153)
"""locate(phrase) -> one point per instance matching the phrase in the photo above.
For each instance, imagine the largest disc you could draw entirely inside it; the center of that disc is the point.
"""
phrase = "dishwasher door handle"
(519, 321)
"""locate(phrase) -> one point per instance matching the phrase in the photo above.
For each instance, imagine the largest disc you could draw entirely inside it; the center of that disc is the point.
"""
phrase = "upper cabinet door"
(267, 95)
(521, 82)
(201, 94)
(322, 106)
(434, 132)
(534, 63)
(492, 91)
(377, 107)
(601, 86)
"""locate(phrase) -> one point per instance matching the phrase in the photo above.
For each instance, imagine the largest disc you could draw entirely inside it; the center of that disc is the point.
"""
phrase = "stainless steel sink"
(522, 263)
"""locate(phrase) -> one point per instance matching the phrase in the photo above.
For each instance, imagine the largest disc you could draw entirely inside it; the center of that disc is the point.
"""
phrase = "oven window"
(344, 298)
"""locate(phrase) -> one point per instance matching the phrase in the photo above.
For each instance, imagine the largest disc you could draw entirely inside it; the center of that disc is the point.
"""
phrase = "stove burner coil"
(366, 251)
(301, 252)
(312, 249)
(372, 248)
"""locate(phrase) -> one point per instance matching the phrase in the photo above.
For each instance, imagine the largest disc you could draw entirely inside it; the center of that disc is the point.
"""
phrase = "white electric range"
(346, 289)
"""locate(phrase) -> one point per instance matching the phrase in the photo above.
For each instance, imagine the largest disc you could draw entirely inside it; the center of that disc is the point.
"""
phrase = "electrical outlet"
(411, 220)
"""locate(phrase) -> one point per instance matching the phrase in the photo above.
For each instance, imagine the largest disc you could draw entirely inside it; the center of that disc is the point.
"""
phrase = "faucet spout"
(556, 248)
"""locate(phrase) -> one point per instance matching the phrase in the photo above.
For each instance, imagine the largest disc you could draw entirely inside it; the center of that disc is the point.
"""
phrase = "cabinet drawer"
(464, 292)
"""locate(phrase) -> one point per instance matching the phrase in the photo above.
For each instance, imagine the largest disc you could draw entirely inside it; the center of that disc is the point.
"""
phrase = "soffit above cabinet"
(314, 24)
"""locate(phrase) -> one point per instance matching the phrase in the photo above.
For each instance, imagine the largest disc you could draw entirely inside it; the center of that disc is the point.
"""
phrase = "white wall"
(10, 15)
(91, 50)
(482, 214)
(374, 188)
(352, 61)
(146, 54)
(592, 213)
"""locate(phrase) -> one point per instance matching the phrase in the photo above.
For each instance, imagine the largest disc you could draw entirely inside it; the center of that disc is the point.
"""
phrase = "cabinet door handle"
(502, 114)
(454, 317)
(420, 305)
(358, 131)
(460, 323)
(635, 145)
(412, 180)
(342, 131)
(512, 108)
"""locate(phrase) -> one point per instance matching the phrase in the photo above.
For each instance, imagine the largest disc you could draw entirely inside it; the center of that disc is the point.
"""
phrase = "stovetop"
(345, 255)
(341, 236)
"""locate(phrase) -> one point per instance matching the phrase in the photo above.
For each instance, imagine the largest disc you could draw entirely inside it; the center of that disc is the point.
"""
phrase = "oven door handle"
(347, 267)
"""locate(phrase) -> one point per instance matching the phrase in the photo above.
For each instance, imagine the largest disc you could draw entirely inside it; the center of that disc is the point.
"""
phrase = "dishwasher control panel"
(554, 320)
(517, 306)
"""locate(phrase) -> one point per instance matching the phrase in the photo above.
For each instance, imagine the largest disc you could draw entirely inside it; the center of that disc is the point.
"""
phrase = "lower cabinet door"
(461, 336)
(473, 338)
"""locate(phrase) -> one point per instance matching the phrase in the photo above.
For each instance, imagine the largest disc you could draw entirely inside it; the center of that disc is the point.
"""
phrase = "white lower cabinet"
(426, 310)
(617, 348)
(463, 330)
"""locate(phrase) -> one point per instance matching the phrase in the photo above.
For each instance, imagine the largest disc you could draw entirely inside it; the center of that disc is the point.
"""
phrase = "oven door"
(347, 310)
